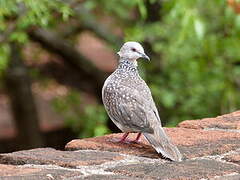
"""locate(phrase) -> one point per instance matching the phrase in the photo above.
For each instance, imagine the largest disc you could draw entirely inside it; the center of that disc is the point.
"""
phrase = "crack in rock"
(99, 169)
(225, 176)
(85, 170)
(128, 160)
(220, 157)
(220, 129)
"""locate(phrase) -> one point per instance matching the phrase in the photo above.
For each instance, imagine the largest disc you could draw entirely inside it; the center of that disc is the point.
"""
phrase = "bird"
(130, 105)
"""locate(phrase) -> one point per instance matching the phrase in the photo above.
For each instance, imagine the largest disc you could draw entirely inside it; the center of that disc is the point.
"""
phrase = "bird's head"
(132, 51)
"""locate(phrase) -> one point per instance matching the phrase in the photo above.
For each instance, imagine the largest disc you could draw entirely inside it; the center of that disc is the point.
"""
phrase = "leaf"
(199, 28)
(19, 36)
(168, 98)
(100, 130)
(4, 52)
(237, 22)
(142, 9)
(66, 12)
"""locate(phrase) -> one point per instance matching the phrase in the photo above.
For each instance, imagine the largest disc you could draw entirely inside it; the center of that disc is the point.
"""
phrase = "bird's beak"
(145, 56)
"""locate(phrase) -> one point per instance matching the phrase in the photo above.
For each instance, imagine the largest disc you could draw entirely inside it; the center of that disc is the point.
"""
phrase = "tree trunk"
(18, 86)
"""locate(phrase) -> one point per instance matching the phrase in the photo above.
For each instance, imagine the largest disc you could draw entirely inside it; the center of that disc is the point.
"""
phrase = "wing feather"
(129, 109)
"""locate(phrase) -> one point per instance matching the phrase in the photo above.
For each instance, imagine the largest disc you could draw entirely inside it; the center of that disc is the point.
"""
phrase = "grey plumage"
(129, 103)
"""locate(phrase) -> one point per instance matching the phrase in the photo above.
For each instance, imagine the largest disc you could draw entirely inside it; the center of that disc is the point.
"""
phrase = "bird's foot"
(137, 140)
(122, 140)
(124, 137)
(127, 141)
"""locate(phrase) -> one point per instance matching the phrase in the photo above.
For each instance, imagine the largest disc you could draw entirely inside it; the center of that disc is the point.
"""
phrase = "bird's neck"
(127, 64)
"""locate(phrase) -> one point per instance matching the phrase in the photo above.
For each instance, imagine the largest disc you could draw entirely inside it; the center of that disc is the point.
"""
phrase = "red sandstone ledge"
(189, 137)
(226, 121)
(191, 142)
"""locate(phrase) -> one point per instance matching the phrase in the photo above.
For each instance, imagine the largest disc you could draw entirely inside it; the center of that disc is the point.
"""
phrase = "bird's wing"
(145, 97)
(131, 110)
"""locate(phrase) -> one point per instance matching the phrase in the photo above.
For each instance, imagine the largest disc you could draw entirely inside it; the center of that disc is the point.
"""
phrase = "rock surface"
(191, 142)
(211, 149)
(228, 121)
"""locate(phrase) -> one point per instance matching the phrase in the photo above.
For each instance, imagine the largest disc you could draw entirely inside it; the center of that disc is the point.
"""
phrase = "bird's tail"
(162, 144)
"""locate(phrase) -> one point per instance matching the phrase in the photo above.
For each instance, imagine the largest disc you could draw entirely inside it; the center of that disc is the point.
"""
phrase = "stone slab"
(227, 121)
(233, 157)
(60, 158)
(104, 177)
(185, 170)
(10, 172)
(108, 143)
(233, 176)
(191, 142)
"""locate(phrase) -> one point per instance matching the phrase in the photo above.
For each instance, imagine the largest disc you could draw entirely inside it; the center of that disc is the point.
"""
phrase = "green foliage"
(197, 60)
(85, 120)
(4, 51)
(26, 13)
(194, 47)
(17, 16)
(119, 9)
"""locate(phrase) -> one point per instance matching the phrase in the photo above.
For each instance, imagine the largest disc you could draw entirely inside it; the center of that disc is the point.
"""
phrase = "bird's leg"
(137, 138)
(124, 137)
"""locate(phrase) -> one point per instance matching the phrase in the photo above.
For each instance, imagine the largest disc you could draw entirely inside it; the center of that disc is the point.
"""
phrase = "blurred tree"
(24, 110)
(16, 17)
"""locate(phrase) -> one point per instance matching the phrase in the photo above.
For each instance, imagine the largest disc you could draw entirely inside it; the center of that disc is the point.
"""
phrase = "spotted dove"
(129, 103)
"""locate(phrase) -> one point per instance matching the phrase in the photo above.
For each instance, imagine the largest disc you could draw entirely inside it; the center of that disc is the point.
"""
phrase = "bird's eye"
(133, 49)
